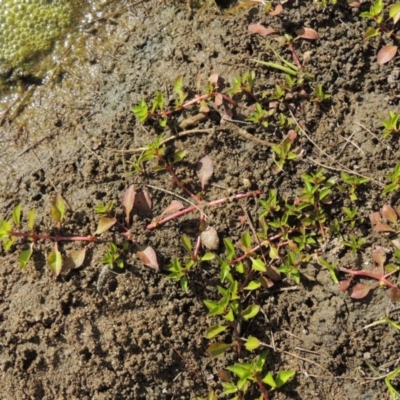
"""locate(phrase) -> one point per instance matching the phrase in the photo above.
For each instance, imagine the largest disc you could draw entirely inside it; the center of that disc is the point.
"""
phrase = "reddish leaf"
(381, 227)
(217, 349)
(396, 243)
(74, 259)
(224, 375)
(210, 239)
(355, 4)
(386, 53)
(379, 255)
(307, 33)
(375, 218)
(173, 207)
(394, 294)
(359, 291)
(105, 224)
(205, 170)
(261, 30)
(344, 285)
(273, 273)
(143, 201)
(218, 100)
(213, 79)
(291, 136)
(389, 213)
(265, 282)
(148, 257)
(277, 11)
(127, 201)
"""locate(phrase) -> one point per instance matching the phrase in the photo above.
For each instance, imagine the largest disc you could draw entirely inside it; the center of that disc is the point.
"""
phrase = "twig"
(179, 197)
(156, 223)
(294, 355)
(348, 140)
(342, 167)
(168, 139)
(91, 151)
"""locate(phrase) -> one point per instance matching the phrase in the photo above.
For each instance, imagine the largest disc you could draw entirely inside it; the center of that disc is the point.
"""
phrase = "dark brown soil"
(93, 334)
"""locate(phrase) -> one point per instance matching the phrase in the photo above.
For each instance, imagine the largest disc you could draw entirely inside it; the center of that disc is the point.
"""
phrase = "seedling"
(352, 182)
(287, 67)
(316, 193)
(354, 243)
(249, 373)
(244, 83)
(391, 125)
(260, 116)
(376, 14)
(181, 273)
(379, 273)
(331, 268)
(283, 152)
(158, 111)
(320, 95)
(395, 178)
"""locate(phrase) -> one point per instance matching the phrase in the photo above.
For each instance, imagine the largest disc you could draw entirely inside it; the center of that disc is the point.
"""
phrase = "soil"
(95, 334)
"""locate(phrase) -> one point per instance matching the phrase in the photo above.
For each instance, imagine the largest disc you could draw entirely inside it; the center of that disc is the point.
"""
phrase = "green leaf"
(273, 252)
(242, 370)
(141, 111)
(104, 224)
(250, 312)
(5, 228)
(208, 257)
(229, 388)
(186, 243)
(371, 32)
(246, 241)
(54, 261)
(230, 249)
(253, 285)
(394, 13)
(214, 307)
(24, 258)
(230, 316)
(283, 377)
(58, 208)
(74, 259)
(31, 219)
(217, 349)
(179, 156)
(8, 243)
(269, 380)
(258, 265)
(215, 330)
(261, 361)
(16, 215)
(252, 343)
(330, 267)
(184, 284)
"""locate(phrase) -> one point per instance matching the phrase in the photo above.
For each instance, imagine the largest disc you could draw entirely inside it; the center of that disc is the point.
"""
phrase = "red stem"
(380, 278)
(156, 223)
(35, 237)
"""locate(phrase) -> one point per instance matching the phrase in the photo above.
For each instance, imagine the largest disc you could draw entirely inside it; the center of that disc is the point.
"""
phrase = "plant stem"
(380, 278)
(35, 237)
(156, 223)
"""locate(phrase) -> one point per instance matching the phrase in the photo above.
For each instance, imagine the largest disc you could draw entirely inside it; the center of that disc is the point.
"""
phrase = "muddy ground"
(92, 335)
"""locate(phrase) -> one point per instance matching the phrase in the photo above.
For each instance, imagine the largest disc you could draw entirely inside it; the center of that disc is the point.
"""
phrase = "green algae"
(28, 27)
